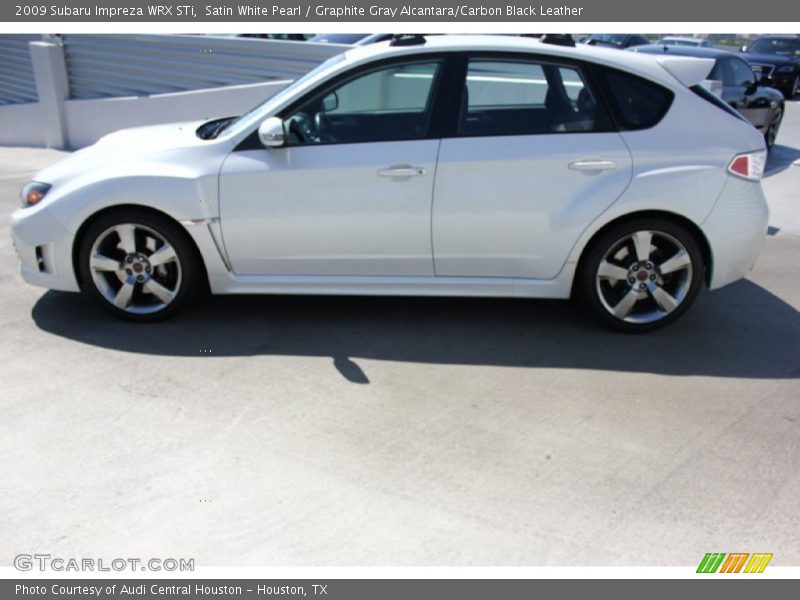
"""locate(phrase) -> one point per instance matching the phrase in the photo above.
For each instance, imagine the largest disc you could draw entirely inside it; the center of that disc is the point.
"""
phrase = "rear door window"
(521, 97)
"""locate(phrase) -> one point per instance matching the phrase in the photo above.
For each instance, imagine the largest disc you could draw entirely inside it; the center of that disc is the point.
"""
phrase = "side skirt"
(500, 287)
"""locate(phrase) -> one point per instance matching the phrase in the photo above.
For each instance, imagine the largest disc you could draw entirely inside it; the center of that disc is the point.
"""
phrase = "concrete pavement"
(379, 431)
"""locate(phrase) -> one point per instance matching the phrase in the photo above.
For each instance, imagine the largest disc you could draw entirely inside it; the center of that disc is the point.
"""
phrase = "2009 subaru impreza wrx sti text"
(448, 166)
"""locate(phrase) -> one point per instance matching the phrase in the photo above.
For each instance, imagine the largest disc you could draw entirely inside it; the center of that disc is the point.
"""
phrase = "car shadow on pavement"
(740, 331)
(779, 159)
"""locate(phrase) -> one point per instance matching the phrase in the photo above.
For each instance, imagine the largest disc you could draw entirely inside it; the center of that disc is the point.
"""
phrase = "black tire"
(181, 276)
(771, 134)
(668, 239)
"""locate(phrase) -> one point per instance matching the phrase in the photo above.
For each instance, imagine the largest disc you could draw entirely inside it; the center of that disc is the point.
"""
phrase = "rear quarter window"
(711, 98)
(635, 102)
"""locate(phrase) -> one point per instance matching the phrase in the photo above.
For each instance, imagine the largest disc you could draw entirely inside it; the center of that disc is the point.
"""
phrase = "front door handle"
(593, 165)
(401, 171)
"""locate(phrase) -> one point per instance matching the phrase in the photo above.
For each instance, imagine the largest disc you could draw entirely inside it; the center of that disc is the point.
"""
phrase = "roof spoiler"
(687, 69)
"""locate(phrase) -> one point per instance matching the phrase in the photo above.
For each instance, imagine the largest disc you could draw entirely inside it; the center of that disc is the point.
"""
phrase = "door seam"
(433, 200)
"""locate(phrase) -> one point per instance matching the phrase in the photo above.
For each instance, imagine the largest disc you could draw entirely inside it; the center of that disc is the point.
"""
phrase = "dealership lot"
(379, 431)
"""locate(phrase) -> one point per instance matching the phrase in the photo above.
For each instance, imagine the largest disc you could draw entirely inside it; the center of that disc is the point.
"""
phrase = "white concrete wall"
(89, 120)
(21, 125)
(86, 121)
(56, 121)
(52, 88)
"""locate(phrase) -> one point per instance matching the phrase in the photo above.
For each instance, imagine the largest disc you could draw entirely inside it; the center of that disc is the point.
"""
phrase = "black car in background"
(286, 37)
(615, 40)
(761, 105)
(776, 58)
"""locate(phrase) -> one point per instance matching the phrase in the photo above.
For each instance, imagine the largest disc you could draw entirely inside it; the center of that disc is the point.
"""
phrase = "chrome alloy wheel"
(135, 268)
(644, 277)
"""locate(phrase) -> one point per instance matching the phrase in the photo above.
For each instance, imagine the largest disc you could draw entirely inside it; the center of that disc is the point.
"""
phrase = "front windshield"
(677, 42)
(338, 38)
(781, 46)
(260, 111)
(609, 38)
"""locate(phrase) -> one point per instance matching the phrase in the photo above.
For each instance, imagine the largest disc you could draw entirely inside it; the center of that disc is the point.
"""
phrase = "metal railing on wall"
(100, 66)
(17, 81)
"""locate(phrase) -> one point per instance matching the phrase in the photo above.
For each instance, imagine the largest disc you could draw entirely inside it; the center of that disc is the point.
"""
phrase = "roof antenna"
(407, 39)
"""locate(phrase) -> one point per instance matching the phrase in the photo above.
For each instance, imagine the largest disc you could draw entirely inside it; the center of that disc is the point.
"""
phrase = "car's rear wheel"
(138, 265)
(642, 274)
(772, 131)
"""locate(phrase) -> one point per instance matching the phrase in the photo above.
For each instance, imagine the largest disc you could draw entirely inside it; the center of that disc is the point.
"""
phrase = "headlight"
(33, 193)
(785, 68)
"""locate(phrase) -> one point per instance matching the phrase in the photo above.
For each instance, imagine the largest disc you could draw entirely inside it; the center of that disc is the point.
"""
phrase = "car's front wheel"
(642, 274)
(138, 264)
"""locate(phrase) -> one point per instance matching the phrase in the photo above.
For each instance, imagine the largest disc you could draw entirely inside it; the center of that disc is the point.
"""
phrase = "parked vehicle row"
(737, 85)
(776, 59)
(615, 40)
(692, 42)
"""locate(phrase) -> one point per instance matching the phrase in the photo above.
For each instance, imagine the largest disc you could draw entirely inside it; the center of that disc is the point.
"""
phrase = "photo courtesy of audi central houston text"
(439, 165)
(447, 313)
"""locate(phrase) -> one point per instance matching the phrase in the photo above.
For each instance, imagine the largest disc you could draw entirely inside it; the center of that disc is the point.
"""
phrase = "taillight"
(749, 165)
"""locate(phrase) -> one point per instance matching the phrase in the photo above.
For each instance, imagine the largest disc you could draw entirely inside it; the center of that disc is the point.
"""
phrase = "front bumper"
(736, 229)
(44, 249)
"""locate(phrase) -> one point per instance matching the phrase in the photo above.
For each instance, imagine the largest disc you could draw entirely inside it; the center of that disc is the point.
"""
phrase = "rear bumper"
(736, 229)
(44, 250)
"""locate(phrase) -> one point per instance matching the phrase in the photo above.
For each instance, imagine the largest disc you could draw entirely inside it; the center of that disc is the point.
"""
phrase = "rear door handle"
(401, 171)
(593, 165)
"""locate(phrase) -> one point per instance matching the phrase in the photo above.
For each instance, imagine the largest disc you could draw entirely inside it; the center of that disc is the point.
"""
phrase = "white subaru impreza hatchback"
(447, 166)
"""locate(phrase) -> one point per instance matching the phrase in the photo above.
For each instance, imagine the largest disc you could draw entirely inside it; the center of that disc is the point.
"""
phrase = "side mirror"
(330, 102)
(271, 133)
